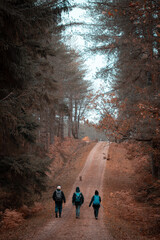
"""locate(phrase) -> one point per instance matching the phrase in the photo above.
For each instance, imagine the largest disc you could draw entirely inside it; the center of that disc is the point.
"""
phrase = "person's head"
(77, 189)
(58, 188)
(96, 192)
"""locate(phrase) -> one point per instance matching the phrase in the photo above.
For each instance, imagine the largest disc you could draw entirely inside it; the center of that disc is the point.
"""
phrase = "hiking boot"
(59, 215)
(56, 215)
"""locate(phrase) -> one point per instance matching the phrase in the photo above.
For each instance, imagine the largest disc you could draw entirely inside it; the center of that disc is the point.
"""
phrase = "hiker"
(59, 198)
(77, 200)
(96, 200)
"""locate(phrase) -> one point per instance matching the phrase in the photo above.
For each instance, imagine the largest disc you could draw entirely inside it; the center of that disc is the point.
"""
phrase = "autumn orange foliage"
(86, 139)
(14, 218)
(130, 186)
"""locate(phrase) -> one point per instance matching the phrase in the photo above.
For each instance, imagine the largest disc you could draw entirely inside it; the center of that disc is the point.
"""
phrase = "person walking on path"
(95, 202)
(77, 200)
(59, 198)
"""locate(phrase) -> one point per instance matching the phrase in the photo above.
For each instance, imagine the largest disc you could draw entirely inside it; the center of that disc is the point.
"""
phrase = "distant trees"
(73, 91)
(128, 32)
(88, 130)
(65, 96)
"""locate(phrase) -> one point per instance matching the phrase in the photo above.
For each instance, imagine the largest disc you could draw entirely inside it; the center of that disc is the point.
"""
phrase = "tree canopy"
(128, 34)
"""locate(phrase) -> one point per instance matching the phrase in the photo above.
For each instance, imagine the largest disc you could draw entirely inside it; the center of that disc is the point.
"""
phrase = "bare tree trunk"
(78, 126)
(58, 127)
(70, 117)
(75, 121)
(62, 125)
(44, 128)
(52, 125)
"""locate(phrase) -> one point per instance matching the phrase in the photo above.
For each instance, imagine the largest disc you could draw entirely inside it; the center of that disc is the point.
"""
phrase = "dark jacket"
(93, 200)
(74, 197)
(62, 197)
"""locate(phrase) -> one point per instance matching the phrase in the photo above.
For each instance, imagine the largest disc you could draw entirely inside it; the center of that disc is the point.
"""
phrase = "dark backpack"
(78, 197)
(58, 197)
(96, 200)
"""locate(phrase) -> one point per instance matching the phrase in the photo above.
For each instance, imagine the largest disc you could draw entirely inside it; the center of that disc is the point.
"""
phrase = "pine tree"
(27, 28)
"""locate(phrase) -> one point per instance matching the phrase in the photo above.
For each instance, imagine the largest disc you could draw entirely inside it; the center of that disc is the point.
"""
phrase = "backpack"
(96, 200)
(78, 197)
(58, 197)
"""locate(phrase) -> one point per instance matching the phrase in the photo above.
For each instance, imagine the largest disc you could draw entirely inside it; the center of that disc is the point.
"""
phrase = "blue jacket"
(74, 199)
(93, 200)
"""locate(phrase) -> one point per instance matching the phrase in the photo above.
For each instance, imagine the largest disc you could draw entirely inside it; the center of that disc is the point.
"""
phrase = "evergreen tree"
(26, 30)
(128, 33)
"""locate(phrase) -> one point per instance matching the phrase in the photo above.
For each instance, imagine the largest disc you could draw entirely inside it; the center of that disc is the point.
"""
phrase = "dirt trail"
(85, 228)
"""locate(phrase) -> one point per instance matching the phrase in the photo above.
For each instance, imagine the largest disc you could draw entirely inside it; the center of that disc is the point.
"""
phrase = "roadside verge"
(125, 217)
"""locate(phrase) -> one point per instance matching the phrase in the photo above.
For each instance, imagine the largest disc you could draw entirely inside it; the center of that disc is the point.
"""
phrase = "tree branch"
(6, 97)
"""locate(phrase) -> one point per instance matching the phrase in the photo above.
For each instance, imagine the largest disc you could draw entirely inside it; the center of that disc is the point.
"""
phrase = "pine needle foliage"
(23, 178)
(26, 28)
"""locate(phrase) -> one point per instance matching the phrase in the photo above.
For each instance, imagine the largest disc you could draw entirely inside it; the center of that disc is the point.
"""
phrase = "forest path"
(85, 228)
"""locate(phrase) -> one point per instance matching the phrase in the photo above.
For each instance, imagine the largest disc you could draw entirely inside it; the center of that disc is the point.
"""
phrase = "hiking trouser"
(78, 210)
(96, 210)
(58, 208)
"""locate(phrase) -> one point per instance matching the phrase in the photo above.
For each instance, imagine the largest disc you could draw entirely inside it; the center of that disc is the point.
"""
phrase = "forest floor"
(132, 196)
(123, 216)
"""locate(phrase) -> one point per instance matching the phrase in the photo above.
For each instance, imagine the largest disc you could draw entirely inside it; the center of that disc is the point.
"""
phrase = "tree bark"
(70, 117)
(75, 121)
(52, 125)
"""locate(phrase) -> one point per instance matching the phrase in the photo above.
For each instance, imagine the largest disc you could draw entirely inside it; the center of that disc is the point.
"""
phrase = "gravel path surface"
(85, 228)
